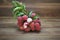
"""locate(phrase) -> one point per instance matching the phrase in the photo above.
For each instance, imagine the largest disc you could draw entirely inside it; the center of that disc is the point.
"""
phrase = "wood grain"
(17, 32)
(45, 23)
(43, 9)
(50, 30)
(31, 1)
(49, 12)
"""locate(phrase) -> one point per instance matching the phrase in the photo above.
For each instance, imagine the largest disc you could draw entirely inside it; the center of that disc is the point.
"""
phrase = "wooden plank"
(10, 17)
(30, 37)
(31, 1)
(35, 5)
(44, 9)
(50, 12)
(40, 1)
(45, 23)
(15, 34)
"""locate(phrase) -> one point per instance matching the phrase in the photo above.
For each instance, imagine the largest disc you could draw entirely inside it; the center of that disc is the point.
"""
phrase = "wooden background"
(49, 12)
(50, 8)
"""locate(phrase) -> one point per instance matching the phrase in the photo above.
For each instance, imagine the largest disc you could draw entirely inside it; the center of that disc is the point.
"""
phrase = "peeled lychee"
(24, 17)
(25, 25)
(29, 20)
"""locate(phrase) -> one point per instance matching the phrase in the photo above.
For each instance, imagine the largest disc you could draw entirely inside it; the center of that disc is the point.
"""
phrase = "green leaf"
(20, 14)
(17, 9)
(17, 6)
(14, 4)
(15, 14)
(20, 4)
(25, 12)
(35, 17)
(23, 6)
(30, 13)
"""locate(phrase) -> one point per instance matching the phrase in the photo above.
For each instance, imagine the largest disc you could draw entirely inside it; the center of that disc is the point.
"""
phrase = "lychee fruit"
(22, 28)
(29, 20)
(20, 24)
(37, 21)
(33, 14)
(20, 21)
(27, 29)
(25, 25)
(24, 17)
(37, 27)
(32, 26)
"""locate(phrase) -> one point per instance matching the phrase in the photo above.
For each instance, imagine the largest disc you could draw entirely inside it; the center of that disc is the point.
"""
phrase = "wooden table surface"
(50, 30)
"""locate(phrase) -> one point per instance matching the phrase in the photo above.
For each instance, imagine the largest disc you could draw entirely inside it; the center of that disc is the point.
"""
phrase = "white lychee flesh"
(29, 20)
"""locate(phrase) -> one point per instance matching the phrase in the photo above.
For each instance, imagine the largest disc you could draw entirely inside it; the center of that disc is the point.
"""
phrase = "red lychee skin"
(37, 27)
(21, 28)
(20, 21)
(24, 17)
(32, 26)
(37, 21)
(27, 29)
(33, 14)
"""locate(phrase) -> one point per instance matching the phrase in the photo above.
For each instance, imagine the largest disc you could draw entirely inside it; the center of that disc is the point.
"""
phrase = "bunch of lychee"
(27, 24)
(27, 20)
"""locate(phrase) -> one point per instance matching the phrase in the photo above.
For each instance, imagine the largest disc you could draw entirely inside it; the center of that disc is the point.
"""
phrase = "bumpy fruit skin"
(33, 14)
(32, 26)
(27, 29)
(20, 24)
(24, 17)
(20, 21)
(37, 21)
(37, 27)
